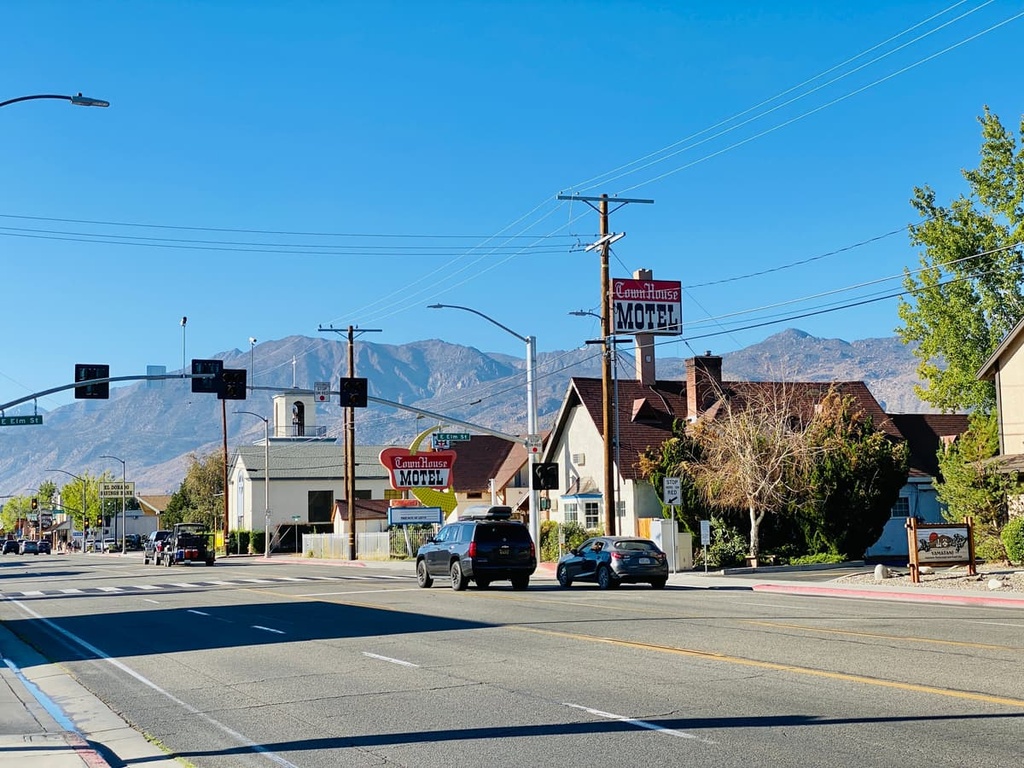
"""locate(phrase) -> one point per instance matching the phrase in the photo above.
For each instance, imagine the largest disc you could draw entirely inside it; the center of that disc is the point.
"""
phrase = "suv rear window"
(635, 546)
(489, 532)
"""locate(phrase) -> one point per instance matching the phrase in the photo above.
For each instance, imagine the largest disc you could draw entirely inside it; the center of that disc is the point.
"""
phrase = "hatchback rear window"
(636, 546)
(497, 532)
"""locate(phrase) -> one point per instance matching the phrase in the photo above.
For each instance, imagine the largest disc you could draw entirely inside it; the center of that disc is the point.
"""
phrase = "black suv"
(153, 546)
(490, 547)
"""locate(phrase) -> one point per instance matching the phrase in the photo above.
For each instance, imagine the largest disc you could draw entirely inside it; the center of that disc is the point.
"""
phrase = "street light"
(124, 547)
(85, 499)
(77, 100)
(531, 412)
(266, 481)
(252, 367)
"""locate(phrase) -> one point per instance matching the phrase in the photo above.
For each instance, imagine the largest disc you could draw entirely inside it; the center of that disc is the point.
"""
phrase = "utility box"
(678, 546)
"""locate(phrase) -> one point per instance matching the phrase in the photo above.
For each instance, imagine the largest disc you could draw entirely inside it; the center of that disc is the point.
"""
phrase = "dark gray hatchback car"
(482, 549)
(614, 560)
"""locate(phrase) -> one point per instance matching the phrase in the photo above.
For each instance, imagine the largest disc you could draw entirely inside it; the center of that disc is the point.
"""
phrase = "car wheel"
(658, 583)
(520, 582)
(483, 583)
(459, 580)
(422, 577)
(563, 577)
(605, 579)
(145, 561)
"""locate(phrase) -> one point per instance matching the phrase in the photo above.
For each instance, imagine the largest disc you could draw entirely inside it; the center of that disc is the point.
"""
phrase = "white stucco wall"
(1010, 387)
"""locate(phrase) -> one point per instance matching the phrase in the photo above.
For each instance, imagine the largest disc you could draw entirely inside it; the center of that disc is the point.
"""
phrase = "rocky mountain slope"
(154, 426)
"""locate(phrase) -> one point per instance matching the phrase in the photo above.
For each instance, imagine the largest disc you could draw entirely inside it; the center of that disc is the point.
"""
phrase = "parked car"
(44, 547)
(11, 546)
(133, 542)
(614, 560)
(29, 547)
(153, 546)
(483, 549)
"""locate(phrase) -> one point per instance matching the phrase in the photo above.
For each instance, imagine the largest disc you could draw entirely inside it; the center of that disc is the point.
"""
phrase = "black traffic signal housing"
(353, 393)
(545, 476)
(232, 384)
(35, 504)
(212, 384)
(88, 372)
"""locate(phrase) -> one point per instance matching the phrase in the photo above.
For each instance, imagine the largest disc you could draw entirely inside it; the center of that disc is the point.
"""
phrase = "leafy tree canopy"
(967, 295)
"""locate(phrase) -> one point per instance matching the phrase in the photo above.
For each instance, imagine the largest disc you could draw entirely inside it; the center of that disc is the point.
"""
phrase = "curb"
(988, 601)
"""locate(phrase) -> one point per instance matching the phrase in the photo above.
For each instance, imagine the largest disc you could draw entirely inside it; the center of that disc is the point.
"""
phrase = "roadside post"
(705, 540)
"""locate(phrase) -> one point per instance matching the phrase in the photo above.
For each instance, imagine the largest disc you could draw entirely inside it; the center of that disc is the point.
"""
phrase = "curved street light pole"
(85, 499)
(124, 546)
(266, 481)
(531, 412)
(78, 100)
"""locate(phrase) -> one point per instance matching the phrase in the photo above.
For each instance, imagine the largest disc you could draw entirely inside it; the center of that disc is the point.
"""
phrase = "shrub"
(821, 557)
(574, 534)
(256, 540)
(728, 546)
(1013, 539)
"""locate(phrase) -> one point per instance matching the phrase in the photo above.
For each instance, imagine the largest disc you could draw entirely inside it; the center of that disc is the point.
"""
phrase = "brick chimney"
(703, 383)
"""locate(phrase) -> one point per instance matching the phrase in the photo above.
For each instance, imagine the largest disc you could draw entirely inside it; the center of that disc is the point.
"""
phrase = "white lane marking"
(148, 587)
(33, 593)
(268, 629)
(388, 658)
(220, 583)
(992, 623)
(151, 601)
(358, 592)
(180, 584)
(70, 591)
(290, 578)
(257, 581)
(244, 740)
(638, 723)
(109, 589)
(197, 613)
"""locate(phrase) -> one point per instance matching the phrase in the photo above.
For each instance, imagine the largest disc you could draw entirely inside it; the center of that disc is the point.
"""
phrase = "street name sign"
(17, 421)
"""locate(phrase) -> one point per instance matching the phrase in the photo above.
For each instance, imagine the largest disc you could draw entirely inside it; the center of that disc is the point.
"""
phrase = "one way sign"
(671, 491)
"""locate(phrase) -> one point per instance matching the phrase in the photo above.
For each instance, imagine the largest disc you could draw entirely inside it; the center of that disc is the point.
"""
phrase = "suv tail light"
(472, 549)
(533, 549)
(617, 555)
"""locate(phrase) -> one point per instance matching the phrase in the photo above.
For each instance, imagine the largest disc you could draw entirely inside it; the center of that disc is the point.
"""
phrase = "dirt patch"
(1010, 579)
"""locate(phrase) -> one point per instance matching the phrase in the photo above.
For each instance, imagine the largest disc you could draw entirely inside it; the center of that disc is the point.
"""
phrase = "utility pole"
(604, 244)
(350, 436)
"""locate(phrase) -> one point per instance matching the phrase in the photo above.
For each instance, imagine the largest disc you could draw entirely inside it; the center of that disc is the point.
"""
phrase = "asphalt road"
(256, 664)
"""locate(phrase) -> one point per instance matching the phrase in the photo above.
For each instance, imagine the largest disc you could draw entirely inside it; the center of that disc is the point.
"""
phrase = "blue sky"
(302, 164)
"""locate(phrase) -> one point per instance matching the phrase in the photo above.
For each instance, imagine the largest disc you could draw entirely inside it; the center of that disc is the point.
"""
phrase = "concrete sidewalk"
(49, 720)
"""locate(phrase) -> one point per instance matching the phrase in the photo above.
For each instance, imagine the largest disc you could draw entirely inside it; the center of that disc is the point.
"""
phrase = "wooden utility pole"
(608, 432)
(349, 423)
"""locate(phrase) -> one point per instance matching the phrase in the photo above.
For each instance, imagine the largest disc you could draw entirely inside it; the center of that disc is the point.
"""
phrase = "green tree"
(970, 487)
(967, 295)
(199, 498)
(669, 460)
(854, 477)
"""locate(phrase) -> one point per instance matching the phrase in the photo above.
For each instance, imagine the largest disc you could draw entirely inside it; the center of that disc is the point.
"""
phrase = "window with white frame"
(592, 515)
(570, 512)
(901, 508)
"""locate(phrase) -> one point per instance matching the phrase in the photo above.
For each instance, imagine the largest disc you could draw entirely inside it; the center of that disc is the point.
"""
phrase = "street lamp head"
(84, 101)
(435, 306)
(252, 340)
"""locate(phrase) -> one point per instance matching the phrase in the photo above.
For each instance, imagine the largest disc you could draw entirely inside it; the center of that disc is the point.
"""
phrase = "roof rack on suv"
(492, 513)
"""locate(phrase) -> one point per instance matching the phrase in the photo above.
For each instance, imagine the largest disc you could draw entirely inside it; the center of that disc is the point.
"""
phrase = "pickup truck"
(187, 543)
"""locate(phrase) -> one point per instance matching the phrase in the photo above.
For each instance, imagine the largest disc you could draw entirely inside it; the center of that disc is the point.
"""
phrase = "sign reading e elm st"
(432, 469)
(647, 306)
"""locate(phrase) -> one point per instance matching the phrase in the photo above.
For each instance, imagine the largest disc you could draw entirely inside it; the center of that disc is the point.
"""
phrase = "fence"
(397, 543)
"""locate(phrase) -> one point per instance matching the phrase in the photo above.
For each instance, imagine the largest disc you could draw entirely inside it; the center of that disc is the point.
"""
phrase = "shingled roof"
(646, 413)
(924, 433)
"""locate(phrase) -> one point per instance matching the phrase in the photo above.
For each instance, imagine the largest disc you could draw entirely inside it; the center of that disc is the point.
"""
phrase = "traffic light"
(545, 476)
(232, 384)
(212, 384)
(35, 504)
(353, 393)
(88, 372)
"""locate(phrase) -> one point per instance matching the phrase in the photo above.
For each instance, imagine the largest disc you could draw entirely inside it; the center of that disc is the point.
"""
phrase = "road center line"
(638, 723)
(151, 601)
(268, 629)
(388, 658)
(779, 667)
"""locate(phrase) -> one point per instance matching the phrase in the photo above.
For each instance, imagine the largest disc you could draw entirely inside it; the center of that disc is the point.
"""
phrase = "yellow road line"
(710, 656)
(829, 630)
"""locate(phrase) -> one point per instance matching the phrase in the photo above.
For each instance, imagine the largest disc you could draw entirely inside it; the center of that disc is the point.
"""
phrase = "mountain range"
(155, 426)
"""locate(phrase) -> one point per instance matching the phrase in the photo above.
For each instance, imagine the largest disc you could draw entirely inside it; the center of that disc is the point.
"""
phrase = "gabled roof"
(480, 460)
(154, 505)
(365, 509)
(646, 414)
(924, 433)
(988, 369)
